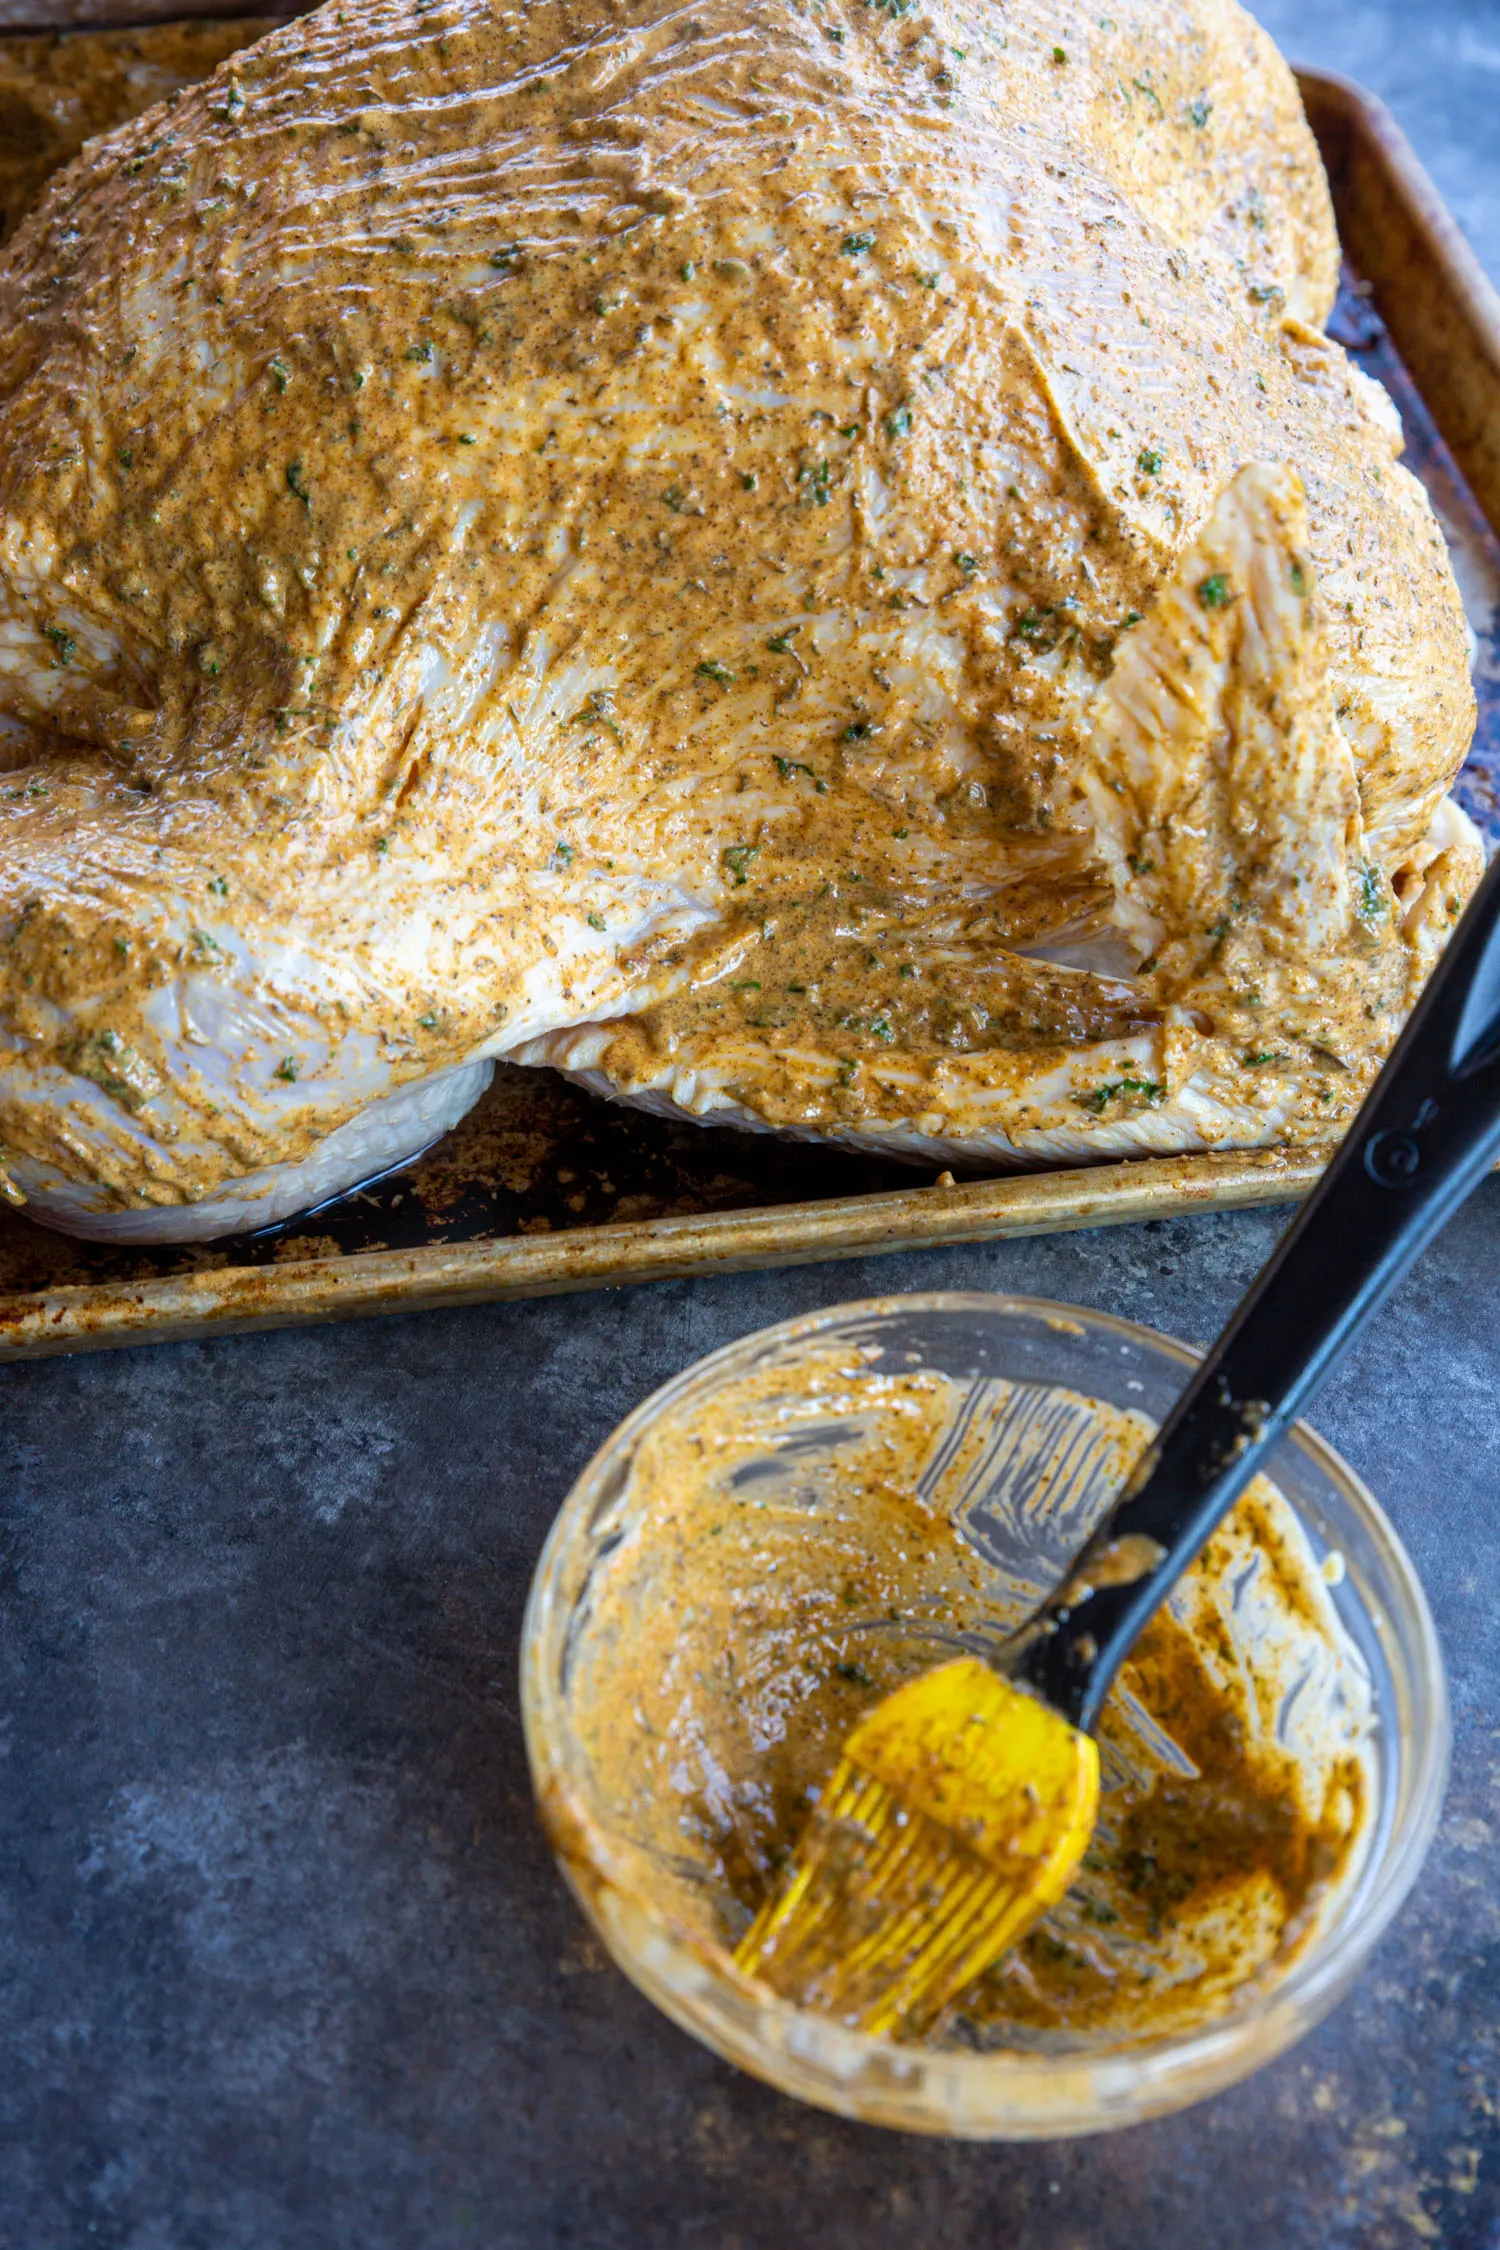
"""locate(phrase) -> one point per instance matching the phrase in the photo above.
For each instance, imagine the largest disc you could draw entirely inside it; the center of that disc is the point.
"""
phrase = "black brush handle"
(1426, 1135)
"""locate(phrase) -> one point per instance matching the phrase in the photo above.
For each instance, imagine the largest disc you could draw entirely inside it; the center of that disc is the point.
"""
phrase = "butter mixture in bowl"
(787, 1532)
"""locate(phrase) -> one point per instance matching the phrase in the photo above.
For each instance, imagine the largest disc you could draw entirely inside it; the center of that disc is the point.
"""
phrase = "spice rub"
(866, 987)
(58, 89)
(497, 498)
(797, 1548)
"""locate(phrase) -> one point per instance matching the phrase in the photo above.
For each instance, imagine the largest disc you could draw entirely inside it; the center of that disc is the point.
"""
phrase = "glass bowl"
(1004, 2094)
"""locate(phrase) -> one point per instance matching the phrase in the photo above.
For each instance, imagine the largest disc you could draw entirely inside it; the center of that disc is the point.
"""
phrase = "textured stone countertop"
(284, 1964)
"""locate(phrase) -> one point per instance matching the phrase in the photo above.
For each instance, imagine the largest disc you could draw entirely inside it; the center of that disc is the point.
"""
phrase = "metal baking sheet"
(543, 1188)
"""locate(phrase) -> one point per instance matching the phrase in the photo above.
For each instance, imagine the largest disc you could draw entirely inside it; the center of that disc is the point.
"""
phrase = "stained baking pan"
(542, 1188)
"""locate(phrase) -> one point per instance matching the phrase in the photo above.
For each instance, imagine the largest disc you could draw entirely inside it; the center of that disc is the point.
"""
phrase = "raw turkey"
(810, 566)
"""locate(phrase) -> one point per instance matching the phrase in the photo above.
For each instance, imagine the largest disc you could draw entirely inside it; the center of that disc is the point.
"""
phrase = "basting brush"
(963, 1802)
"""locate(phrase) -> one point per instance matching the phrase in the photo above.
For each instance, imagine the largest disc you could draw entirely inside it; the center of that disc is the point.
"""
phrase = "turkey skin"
(811, 566)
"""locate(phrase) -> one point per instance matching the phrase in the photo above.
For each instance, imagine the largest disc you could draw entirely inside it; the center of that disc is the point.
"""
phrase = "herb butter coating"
(811, 566)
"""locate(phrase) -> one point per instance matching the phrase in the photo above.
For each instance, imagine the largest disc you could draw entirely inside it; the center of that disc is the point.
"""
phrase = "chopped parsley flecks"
(712, 669)
(296, 479)
(1215, 591)
(1200, 111)
(63, 641)
(287, 1069)
(737, 858)
(818, 477)
(1369, 896)
(855, 245)
(898, 422)
(1049, 626)
(1266, 293)
(1149, 461)
(1101, 1096)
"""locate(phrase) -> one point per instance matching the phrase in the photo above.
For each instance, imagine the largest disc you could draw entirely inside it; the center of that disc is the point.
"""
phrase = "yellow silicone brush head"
(957, 1815)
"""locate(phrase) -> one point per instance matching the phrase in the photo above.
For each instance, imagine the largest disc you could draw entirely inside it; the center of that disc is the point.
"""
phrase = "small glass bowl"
(1009, 2094)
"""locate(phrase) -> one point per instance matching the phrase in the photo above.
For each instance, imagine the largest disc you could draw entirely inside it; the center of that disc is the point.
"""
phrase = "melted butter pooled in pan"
(812, 1539)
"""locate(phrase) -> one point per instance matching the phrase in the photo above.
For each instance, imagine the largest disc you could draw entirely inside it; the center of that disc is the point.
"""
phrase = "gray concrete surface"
(1438, 66)
(283, 1961)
